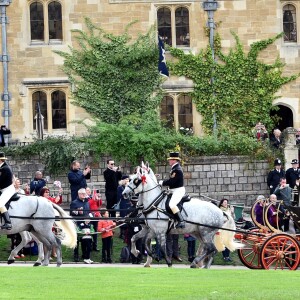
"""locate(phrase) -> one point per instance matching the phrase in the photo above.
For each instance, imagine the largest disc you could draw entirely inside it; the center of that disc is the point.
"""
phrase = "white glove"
(160, 182)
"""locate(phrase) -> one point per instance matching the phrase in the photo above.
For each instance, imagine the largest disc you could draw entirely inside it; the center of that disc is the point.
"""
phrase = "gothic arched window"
(55, 21)
(173, 25)
(37, 21)
(58, 106)
(39, 100)
(289, 23)
(164, 25)
(45, 22)
(182, 27)
(185, 111)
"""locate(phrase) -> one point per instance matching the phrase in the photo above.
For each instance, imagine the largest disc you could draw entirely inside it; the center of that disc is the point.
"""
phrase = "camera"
(97, 191)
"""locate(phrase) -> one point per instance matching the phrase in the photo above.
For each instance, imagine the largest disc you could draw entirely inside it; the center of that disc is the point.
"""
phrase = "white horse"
(37, 215)
(27, 237)
(203, 219)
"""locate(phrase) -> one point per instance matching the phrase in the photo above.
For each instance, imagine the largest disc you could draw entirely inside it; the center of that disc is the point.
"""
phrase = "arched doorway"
(286, 117)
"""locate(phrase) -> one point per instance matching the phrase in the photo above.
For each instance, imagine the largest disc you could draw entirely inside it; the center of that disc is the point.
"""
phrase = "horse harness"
(16, 197)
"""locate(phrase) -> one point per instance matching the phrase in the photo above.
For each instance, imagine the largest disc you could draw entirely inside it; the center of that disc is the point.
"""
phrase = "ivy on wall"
(114, 76)
(243, 88)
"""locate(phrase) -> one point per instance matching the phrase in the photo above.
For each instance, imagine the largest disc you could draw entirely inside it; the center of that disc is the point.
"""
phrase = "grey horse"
(203, 219)
(37, 215)
(27, 237)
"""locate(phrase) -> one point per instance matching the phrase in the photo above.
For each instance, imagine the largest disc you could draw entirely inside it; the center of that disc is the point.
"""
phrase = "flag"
(162, 66)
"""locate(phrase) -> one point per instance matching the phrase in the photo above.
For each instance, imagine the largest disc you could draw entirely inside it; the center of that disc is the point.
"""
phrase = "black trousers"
(95, 236)
(106, 248)
(86, 247)
(191, 248)
(172, 245)
(111, 200)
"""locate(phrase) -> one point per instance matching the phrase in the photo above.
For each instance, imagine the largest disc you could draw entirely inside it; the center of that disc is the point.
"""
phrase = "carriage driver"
(175, 183)
(7, 189)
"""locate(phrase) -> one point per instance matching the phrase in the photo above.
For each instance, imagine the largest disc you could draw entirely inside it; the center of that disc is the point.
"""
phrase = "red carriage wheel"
(250, 253)
(280, 251)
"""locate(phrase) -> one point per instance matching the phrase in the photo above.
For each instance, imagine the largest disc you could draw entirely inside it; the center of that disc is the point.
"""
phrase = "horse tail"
(225, 238)
(68, 227)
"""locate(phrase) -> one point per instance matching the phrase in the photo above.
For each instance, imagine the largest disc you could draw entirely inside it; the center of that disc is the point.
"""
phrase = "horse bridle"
(137, 182)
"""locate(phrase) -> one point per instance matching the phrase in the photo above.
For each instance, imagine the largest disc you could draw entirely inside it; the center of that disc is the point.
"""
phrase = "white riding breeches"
(7, 193)
(177, 194)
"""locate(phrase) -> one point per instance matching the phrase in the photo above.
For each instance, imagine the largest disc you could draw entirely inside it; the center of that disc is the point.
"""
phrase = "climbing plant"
(114, 76)
(243, 87)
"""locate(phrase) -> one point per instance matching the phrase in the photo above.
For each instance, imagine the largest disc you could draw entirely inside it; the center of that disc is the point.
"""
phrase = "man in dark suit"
(275, 175)
(77, 178)
(3, 131)
(112, 176)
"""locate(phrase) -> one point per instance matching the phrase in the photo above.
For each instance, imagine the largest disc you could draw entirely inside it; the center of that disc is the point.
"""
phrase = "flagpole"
(211, 6)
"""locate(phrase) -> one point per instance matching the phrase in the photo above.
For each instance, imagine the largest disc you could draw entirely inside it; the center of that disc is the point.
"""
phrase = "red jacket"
(104, 225)
(53, 200)
(95, 205)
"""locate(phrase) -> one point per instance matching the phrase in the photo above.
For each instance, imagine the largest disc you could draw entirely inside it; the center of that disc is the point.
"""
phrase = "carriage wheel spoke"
(280, 252)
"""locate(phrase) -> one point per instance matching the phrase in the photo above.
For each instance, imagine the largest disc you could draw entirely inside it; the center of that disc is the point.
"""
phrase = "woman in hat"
(175, 183)
(7, 189)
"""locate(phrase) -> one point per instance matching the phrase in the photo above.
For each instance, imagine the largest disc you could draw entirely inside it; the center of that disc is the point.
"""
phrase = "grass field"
(146, 283)
(117, 246)
(127, 282)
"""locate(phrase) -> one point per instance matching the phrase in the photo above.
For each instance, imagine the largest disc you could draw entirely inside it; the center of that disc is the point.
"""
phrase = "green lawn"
(117, 245)
(146, 283)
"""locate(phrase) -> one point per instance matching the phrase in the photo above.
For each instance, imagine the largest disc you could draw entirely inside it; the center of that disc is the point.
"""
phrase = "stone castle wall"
(237, 178)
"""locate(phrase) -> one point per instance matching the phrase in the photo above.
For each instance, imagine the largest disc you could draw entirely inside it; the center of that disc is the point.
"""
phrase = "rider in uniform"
(175, 183)
(7, 189)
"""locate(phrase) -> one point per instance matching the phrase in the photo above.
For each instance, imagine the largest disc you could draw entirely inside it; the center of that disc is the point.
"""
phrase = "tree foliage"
(243, 88)
(56, 153)
(114, 76)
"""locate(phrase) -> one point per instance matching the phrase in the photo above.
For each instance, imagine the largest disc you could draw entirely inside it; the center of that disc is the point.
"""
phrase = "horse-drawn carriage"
(266, 245)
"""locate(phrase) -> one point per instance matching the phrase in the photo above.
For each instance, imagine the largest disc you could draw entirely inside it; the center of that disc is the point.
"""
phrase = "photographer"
(77, 178)
(3, 131)
(260, 132)
(112, 176)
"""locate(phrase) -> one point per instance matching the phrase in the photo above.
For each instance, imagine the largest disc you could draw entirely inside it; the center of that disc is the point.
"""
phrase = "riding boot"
(7, 222)
(179, 218)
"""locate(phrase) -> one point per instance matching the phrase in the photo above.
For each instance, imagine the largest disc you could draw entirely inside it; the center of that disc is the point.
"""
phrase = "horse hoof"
(169, 265)
(193, 266)
(37, 264)
(147, 266)
(10, 261)
(58, 265)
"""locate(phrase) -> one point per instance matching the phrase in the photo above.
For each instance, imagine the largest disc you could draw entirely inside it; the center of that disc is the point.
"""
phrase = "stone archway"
(286, 115)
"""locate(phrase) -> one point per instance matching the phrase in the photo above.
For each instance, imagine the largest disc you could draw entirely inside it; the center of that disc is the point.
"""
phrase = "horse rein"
(139, 181)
